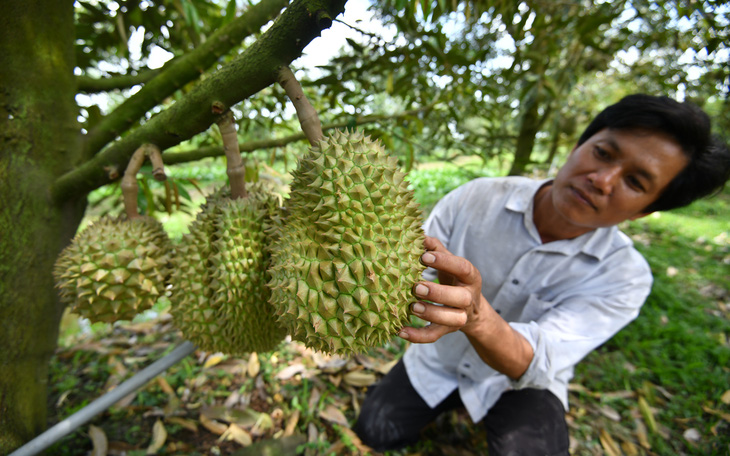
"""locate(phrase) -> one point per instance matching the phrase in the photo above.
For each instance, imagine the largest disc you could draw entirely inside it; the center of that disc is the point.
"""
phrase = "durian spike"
(235, 168)
(129, 180)
(308, 118)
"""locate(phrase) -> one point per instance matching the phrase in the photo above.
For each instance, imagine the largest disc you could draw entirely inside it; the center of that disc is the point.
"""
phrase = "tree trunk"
(526, 137)
(38, 142)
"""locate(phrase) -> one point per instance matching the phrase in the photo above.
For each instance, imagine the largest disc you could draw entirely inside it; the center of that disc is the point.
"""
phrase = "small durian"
(347, 253)
(114, 269)
(220, 293)
(117, 267)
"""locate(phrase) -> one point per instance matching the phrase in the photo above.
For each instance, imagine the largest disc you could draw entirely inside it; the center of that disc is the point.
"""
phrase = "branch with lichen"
(308, 118)
(129, 184)
(247, 74)
(87, 84)
(179, 72)
(187, 156)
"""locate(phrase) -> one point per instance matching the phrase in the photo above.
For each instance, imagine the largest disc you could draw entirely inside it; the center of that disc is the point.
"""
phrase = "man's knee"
(378, 430)
(525, 422)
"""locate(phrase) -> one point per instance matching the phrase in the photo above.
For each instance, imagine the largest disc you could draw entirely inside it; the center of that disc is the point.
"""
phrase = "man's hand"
(459, 292)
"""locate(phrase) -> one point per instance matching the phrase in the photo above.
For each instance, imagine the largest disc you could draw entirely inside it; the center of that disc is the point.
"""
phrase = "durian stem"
(235, 168)
(308, 118)
(129, 180)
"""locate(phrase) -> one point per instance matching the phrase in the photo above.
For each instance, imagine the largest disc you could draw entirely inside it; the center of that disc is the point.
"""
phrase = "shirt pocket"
(535, 308)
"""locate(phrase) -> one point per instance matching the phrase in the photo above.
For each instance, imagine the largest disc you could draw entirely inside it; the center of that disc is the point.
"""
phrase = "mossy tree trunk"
(47, 169)
(38, 143)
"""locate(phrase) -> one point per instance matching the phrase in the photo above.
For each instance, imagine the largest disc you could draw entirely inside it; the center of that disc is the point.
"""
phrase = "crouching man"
(534, 275)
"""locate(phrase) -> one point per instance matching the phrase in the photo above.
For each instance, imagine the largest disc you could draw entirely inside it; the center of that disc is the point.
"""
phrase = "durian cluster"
(220, 297)
(333, 268)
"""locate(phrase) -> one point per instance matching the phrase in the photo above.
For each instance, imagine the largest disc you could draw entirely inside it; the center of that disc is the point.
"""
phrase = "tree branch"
(87, 84)
(250, 72)
(179, 72)
(308, 118)
(250, 146)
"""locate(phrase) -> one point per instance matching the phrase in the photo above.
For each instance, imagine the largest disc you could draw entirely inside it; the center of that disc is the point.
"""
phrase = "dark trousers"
(523, 422)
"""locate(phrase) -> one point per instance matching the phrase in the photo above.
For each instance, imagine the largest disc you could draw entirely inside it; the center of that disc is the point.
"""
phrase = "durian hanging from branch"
(220, 293)
(117, 267)
(347, 254)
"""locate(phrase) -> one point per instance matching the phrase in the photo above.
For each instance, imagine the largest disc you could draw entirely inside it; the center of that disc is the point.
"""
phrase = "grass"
(661, 386)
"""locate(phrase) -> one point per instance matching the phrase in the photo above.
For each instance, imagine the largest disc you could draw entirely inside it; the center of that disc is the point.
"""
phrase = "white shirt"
(565, 297)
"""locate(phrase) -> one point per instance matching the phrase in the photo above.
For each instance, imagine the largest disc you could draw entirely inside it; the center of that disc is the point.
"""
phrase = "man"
(535, 275)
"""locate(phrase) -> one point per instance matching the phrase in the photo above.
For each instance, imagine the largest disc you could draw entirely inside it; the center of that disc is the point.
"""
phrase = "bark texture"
(38, 139)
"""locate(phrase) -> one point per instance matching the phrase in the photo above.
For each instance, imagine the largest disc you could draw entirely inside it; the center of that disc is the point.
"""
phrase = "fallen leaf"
(290, 371)
(216, 427)
(312, 433)
(159, 435)
(723, 415)
(232, 400)
(359, 378)
(213, 359)
(98, 438)
(243, 418)
(314, 398)
(333, 415)
(725, 399)
(647, 414)
(254, 366)
(291, 425)
(164, 386)
(641, 434)
(238, 435)
(364, 449)
(263, 424)
(186, 423)
(610, 413)
(629, 448)
(335, 380)
(385, 368)
(609, 444)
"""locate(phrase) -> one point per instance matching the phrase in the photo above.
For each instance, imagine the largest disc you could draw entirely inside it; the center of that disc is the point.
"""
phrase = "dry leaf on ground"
(254, 366)
(99, 440)
(216, 427)
(238, 435)
(360, 378)
(290, 371)
(213, 360)
(159, 436)
(609, 444)
(333, 415)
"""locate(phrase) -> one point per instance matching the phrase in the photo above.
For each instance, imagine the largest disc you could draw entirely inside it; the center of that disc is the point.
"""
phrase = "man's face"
(614, 176)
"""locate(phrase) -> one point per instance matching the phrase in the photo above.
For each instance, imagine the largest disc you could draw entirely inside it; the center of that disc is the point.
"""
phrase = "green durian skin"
(346, 255)
(220, 293)
(114, 268)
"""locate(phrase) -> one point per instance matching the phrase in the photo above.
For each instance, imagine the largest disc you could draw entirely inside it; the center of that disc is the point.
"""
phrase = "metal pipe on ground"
(61, 429)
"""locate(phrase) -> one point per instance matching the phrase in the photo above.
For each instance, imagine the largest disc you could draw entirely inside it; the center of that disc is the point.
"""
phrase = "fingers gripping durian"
(220, 293)
(346, 256)
(117, 267)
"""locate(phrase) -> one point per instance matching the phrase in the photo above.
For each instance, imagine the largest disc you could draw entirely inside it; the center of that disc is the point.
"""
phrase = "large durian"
(116, 267)
(345, 258)
(220, 293)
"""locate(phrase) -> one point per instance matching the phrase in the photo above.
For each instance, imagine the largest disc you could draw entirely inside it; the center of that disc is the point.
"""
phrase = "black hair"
(708, 166)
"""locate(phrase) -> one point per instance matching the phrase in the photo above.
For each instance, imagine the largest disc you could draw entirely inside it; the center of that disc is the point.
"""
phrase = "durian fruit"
(116, 267)
(220, 293)
(347, 254)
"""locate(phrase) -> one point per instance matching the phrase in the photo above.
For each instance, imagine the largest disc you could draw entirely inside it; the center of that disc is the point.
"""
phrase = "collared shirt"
(565, 297)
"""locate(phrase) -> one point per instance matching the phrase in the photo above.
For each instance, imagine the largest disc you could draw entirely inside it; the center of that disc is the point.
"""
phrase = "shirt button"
(515, 281)
(467, 365)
